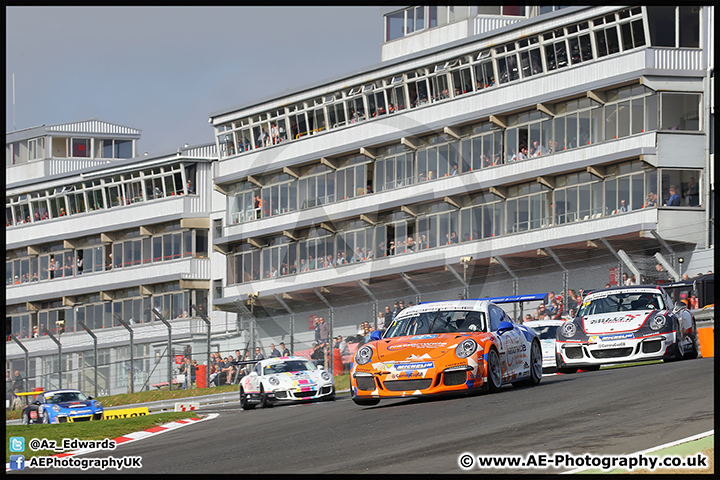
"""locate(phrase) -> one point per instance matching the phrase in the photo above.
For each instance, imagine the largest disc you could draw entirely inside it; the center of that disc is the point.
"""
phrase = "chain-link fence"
(117, 362)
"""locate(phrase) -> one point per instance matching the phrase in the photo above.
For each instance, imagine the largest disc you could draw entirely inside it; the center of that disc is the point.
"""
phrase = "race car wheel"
(264, 402)
(330, 397)
(494, 375)
(26, 418)
(244, 401)
(692, 351)
(366, 402)
(536, 367)
(45, 417)
(678, 349)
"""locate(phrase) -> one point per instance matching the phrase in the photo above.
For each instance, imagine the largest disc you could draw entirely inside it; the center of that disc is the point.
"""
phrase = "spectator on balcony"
(274, 352)
(284, 350)
(52, 267)
(651, 200)
(674, 199)
(692, 194)
(623, 206)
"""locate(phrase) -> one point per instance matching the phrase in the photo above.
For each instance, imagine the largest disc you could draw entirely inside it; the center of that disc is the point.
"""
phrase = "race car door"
(510, 345)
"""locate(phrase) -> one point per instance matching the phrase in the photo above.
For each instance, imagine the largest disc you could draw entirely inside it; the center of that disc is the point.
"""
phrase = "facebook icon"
(17, 462)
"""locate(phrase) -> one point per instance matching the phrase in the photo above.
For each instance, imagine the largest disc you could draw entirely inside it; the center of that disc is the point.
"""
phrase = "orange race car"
(448, 347)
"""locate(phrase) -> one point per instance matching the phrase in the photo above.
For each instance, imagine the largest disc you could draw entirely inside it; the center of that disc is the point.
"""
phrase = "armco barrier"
(706, 338)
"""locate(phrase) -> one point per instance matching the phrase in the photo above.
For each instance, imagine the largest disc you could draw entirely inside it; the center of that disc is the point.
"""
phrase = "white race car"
(626, 324)
(284, 378)
(546, 331)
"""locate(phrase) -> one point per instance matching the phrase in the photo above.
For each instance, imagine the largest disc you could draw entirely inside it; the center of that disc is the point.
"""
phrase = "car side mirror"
(505, 326)
(376, 335)
(679, 306)
(37, 402)
(320, 367)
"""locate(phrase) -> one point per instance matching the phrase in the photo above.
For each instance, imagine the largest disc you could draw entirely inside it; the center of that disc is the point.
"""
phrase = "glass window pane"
(661, 22)
(623, 111)
(680, 111)
(610, 196)
(610, 122)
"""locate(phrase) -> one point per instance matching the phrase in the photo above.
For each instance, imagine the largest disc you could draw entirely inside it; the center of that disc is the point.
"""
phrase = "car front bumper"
(299, 394)
(595, 353)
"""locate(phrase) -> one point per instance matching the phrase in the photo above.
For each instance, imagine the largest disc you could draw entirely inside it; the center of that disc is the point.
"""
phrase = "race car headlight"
(364, 355)
(56, 408)
(658, 322)
(325, 376)
(274, 381)
(466, 348)
(569, 329)
(97, 405)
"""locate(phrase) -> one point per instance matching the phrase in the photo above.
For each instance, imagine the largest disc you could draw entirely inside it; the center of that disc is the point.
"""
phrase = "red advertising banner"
(614, 276)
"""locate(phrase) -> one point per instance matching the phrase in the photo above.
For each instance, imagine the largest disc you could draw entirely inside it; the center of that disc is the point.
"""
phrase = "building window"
(674, 26)
(680, 188)
(680, 111)
(81, 147)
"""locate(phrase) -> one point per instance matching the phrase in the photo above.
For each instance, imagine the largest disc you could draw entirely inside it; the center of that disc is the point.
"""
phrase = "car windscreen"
(440, 321)
(621, 302)
(288, 366)
(546, 332)
(63, 397)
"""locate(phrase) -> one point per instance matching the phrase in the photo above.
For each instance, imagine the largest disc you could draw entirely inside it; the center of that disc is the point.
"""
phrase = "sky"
(164, 70)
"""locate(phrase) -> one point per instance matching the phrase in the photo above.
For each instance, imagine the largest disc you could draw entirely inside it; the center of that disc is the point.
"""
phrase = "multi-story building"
(493, 150)
(98, 236)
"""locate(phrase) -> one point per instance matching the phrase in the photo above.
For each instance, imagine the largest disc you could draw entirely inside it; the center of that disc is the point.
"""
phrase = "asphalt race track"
(614, 411)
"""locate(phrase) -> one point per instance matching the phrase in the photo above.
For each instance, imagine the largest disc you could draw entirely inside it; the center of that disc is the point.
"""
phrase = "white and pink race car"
(284, 379)
(626, 324)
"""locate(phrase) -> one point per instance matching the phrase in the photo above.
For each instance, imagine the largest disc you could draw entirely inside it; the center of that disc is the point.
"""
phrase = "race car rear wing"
(538, 297)
(244, 362)
(518, 298)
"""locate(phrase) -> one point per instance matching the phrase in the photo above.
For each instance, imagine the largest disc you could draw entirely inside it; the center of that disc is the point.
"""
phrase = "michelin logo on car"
(414, 366)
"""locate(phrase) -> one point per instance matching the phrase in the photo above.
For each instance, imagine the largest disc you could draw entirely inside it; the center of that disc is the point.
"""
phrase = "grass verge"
(342, 382)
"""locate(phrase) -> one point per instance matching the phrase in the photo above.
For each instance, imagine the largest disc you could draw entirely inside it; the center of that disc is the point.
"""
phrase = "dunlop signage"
(126, 413)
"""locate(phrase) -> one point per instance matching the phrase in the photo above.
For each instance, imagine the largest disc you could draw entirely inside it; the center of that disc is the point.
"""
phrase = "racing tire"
(264, 401)
(536, 367)
(494, 374)
(45, 417)
(331, 397)
(694, 349)
(244, 401)
(678, 352)
(366, 402)
(26, 418)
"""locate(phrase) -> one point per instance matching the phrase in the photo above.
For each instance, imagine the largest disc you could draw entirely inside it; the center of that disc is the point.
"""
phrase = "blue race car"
(61, 406)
